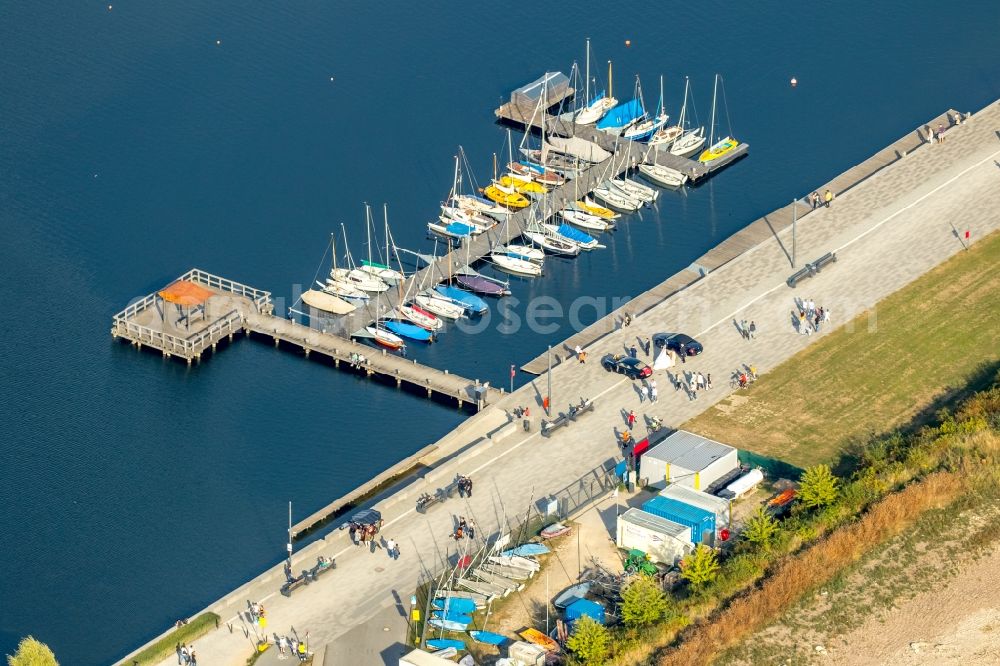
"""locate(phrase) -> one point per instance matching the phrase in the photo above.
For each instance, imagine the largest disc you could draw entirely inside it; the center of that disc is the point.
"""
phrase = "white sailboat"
(590, 244)
(693, 139)
(583, 220)
(327, 302)
(663, 176)
(337, 288)
(357, 278)
(601, 104)
(380, 270)
(616, 199)
(515, 265)
(644, 128)
(525, 252)
(415, 315)
(439, 306)
(665, 135)
(634, 190)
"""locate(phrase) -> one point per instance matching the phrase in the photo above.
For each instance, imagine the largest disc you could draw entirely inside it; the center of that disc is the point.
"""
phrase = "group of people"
(465, 528)
(357, 360)
(294, 647)
(746, 376)
(816, 201)
(256, 612)
(747, 331)
(809, 318)
(648, 391)
(363, 532)
(186, 655)
(464, 484)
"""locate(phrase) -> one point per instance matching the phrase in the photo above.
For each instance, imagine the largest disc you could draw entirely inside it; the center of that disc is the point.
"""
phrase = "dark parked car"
(632, 368)
(677, 342)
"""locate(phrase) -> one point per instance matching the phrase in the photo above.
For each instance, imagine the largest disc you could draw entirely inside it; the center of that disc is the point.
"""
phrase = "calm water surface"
(133, 147)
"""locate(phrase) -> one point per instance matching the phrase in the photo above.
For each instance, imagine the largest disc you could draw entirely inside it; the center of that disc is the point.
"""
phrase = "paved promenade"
(887, 231)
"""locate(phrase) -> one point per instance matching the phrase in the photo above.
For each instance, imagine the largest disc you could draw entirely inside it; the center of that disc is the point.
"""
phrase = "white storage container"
(663, 540)
(687, 459)
(744, 484)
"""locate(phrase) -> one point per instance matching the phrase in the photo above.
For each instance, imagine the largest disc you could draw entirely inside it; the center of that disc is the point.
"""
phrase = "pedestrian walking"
(194, 657)
(683, 353)
(708, 381)
(643, 393)
(940, 133)
(753, 372)
(468, 487)
(180, 654)
(470, 528)
(626, 320)
(814, 200)
(701, 381)
(580, 354)
(632, 352)
(812, 307)
(753, 330)
(653, 394)
(826, 314)
(302, 651)
(631, 418)
(648, 346)
(390, 548)
(828, 197)
(744, 329)
(282, 645)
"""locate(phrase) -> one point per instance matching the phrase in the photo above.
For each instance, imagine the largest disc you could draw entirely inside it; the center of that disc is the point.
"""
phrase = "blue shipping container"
(700, 521)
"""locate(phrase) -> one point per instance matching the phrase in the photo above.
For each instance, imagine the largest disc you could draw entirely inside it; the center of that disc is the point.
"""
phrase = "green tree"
(590, 641)
(817, 487)
(643, 602)
(700, 567)
(32, 652)
(760, 528)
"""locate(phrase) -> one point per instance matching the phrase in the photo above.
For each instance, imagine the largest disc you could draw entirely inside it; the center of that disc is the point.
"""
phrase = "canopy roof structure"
(186, 294)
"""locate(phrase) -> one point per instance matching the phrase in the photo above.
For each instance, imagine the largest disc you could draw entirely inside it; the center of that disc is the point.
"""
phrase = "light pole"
(795, 218)
(548, 391)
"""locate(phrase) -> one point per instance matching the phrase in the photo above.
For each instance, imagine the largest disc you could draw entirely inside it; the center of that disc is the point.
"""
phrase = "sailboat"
(340, 289)
(524, 185)
(717, 149)
(663, 176)
(643, 128)
(665, 135)
(470, 302)
(380, 270)
(590, 206)
(621, 117)
(572, 235)
(616, 199)
(598, 105)
(551, 242)
(408, 330)
(693, 139)
(528, 252)
(506, 196)
(633, 189)
(439, 306)
(357, 278)
(385, 338)
(515, 265)
(584, 220)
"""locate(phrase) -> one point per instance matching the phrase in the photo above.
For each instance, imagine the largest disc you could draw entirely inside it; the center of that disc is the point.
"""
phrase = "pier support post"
(336, 362)
(230, 337)
(428, 393)
(214, 345)
(306, 350)
(189, 360)
(399, 382)
(276, 341)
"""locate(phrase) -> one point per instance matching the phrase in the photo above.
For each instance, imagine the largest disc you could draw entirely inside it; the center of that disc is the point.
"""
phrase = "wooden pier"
(214, 308)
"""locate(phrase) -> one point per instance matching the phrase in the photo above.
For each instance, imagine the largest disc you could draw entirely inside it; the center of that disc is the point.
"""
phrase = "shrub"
(167, 645)
(32, 652)
(643, 602)
(761, 528)
(700, 567)
(590, 641)
(818, 487)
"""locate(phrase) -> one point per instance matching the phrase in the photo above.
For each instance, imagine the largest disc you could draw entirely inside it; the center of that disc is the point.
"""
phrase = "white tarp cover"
(326, 302)
(574, 146)
(663, 361)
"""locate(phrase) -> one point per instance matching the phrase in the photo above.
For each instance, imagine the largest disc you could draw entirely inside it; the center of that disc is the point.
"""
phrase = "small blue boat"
(407, 330)
(455, 605)
(445, 643)
(621, 116)
(487, 637)
(470, 302)
(450, 616)
(527, 549)
(447, 625)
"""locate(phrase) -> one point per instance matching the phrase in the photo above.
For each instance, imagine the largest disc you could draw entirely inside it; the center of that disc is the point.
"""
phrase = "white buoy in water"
(794, 82)
(218, 42)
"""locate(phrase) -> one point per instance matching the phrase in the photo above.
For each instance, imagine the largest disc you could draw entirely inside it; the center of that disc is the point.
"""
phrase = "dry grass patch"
(930, 336)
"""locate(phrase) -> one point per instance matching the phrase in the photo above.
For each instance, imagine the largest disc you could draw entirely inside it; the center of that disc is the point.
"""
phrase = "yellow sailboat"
(600, 211)
(523, 186)
(506, 196)
(718, 149)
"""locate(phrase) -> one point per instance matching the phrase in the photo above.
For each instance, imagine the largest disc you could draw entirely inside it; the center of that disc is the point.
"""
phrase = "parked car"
(632, 368)
(676, 342)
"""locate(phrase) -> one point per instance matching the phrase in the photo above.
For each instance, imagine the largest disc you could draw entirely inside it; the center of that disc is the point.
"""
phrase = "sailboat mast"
(684, 107)
(611, 87)
(454, 180)
(662, 109)
(350, 261)
(715, 91)
(586, 100)
(333, 253)
(368, 230)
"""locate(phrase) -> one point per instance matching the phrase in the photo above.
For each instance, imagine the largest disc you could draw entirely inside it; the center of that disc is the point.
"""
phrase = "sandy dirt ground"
(958, 623)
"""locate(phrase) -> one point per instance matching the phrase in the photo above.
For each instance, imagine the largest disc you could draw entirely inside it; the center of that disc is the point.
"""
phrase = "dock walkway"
(234, 307)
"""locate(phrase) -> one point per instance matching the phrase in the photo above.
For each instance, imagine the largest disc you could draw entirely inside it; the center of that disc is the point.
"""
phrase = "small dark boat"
(482, 285)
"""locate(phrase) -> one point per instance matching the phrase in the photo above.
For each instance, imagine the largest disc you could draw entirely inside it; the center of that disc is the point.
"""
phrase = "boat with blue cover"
(526, 550)
(455, 605)
(620, 117)
(461, 618)
(451, 230)
(470, 302)
(445, 643)
(408, 330)
(487, 637)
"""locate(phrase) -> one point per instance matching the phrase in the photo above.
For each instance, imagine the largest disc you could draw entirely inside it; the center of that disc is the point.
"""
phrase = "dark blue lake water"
(132, 147)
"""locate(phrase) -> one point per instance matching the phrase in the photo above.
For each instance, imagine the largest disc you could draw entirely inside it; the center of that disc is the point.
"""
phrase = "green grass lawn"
(927, 343)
